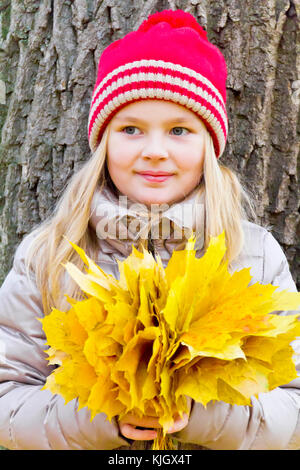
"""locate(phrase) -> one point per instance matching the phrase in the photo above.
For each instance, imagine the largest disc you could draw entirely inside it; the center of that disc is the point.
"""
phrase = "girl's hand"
(129, 422)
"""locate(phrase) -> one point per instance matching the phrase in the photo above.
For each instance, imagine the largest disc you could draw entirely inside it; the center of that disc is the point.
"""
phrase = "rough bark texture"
(48, 55)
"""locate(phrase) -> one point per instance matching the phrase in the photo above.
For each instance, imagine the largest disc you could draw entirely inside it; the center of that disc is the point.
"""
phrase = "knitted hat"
(169, 57)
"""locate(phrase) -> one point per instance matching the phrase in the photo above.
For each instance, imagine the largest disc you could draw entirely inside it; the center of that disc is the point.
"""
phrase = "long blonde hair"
(70, 220)
(226, 202)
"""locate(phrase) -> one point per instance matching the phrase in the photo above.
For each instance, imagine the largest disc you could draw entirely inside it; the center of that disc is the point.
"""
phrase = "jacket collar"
(120, 223)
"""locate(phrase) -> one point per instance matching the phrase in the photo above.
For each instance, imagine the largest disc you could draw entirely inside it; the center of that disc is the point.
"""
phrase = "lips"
(156, 176)
(155, 173)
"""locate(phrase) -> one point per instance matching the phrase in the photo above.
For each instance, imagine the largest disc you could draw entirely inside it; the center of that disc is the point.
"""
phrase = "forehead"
(159, 108)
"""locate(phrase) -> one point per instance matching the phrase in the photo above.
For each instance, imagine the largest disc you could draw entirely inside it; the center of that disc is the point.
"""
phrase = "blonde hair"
(50, 247)
(70, 220)
(226, 202)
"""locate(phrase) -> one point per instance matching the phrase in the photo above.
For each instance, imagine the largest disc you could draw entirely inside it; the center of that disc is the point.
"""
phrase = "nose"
(154, 148)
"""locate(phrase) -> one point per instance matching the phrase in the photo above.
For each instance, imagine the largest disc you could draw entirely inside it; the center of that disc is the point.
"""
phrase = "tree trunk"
(49, 51)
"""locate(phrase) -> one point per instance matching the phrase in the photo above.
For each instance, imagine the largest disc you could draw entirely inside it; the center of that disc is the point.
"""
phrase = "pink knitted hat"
(170, 58)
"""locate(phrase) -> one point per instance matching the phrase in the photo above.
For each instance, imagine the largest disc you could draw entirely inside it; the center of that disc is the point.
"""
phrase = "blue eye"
(179, 129)
(130, 128)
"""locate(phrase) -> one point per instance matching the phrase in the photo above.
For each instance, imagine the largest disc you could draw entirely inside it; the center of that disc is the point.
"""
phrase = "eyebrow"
(133, 119)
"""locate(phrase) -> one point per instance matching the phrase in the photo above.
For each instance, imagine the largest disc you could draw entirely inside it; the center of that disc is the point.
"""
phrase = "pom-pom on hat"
(169, 57)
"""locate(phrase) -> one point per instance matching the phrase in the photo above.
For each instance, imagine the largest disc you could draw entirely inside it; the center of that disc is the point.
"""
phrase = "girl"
(157, 128)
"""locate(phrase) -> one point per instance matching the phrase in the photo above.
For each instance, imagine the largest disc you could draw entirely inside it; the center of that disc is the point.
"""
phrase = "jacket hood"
(120, 222)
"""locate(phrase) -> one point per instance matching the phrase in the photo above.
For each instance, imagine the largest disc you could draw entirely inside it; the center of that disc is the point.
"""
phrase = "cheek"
(117, 173)
(192, 162)
(119, 167)
(119, 157)
(117, 162)
(190, 157)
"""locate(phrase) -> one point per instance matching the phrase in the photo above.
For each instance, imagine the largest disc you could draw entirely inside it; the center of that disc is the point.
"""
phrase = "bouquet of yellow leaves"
(142, 343)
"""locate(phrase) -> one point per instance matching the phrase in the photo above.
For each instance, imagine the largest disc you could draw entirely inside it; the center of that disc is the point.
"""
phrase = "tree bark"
(49, 52)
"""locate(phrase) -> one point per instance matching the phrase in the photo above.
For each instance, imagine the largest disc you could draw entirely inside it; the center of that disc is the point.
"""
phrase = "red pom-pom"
(176, 18)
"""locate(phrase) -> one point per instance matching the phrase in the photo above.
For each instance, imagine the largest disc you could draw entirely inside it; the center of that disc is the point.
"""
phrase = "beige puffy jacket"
(34, 419)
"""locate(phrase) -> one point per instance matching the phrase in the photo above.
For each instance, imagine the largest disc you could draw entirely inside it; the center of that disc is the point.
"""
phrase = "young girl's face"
(155, 151)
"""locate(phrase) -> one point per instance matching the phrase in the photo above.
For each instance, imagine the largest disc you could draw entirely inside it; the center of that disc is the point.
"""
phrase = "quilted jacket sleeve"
(273, 420)
(31, 418)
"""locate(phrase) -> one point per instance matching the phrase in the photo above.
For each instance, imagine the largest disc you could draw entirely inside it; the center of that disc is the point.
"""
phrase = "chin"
(151, 198)
(159, 201)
